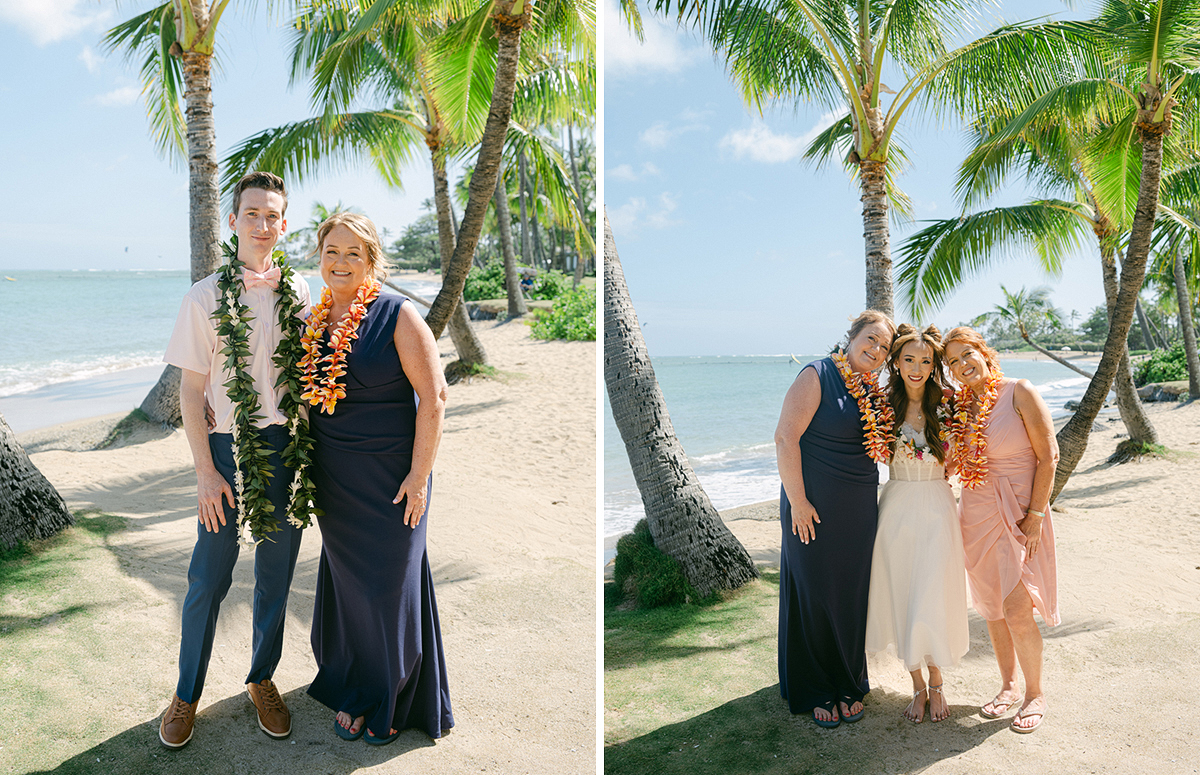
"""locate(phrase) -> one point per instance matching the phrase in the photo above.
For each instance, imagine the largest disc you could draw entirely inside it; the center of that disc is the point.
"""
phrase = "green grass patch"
(664, 666)
(465, 372)
(71, 625)
(1130, 450)
(126, 427)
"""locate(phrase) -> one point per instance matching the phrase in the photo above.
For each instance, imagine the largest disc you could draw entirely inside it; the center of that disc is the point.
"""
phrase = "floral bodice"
(913, 462)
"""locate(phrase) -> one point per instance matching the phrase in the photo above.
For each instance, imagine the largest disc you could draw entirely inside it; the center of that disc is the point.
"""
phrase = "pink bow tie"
(269, 278)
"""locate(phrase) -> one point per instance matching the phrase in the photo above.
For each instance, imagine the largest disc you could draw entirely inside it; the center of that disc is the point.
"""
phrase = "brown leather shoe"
(273, 715)
(175, 729)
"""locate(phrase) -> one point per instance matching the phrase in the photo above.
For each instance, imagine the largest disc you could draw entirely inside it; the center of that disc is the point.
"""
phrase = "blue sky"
(80, 180)
(730, 244)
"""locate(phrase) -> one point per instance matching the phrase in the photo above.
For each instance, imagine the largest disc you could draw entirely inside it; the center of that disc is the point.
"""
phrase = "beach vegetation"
(679, 513)
(646, 576)
(1130, 450)
(573, 317)
(672, 702)
(1030, 310)
(1169, 365)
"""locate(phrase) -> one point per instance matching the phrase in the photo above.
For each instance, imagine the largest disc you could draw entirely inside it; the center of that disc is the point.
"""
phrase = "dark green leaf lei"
(255, 510)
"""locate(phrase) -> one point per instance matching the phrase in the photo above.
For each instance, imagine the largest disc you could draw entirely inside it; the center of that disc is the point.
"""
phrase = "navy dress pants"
(211, 573)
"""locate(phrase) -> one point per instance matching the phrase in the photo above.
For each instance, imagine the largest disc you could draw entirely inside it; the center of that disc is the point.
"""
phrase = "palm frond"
(149, 36)
(387, 140)
(935, 260)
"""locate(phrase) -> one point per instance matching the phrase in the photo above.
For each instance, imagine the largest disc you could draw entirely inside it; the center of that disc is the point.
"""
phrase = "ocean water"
(725, 409)
(59, 326)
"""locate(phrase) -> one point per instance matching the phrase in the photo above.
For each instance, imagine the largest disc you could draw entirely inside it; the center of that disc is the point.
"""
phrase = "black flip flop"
(346, 734)
(831, 707)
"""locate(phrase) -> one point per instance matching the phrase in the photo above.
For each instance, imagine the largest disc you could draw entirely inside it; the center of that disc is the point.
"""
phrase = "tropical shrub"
(550, 285)
(486, 283)
(644, 573)
(1162, 366)
(573, 317)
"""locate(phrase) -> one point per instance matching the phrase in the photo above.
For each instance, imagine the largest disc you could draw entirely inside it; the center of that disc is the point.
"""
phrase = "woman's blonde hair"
(864, 319)
(363, 228)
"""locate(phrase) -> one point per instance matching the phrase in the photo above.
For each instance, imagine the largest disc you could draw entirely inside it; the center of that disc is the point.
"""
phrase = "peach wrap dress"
(993, 545)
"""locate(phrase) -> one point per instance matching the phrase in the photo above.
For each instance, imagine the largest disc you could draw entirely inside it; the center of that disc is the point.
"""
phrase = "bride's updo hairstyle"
(931, 337)
(972, 338)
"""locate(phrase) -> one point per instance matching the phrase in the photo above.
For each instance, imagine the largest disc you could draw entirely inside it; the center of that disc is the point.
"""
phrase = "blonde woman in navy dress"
(827, 507)
(375, 632)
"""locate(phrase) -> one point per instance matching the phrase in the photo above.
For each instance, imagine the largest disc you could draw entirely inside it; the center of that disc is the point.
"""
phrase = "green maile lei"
(256, 516)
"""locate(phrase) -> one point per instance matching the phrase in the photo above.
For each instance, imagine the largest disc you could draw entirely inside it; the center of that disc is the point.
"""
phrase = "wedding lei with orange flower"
(320, 383)
(970, 439)
(877, 415)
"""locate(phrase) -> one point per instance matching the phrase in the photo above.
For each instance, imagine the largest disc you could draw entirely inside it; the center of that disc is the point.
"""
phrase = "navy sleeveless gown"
(375, 632)
(823, 585)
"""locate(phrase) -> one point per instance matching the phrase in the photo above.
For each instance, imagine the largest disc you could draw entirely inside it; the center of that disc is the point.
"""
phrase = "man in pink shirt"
(259, 204)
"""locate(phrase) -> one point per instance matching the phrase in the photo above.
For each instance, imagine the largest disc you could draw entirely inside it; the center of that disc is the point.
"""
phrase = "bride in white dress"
(918, 596)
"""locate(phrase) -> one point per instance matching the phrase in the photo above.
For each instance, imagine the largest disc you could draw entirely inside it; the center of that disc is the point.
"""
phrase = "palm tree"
(835, 52)
(1094, 164)
(682, 520)
(1029, 309)
(1136, 61)
(176, 41)
(30, 507)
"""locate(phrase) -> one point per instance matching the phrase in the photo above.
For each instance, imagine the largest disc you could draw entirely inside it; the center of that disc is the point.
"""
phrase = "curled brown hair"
(972, 338)
(363, 228)
(935, 385)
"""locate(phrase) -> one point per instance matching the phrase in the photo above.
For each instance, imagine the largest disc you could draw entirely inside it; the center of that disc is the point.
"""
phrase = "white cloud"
(49, 21)
(91, 60)
(627, 172)
(760, 143)
(660, 133)
(124, 95)
(637, 213)
(663, 49)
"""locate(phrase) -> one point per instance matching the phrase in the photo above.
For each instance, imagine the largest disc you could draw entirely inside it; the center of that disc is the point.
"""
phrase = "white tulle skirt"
(918, 596)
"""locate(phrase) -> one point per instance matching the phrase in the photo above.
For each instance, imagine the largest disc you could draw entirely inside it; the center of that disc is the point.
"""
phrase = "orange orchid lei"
(325, 390)
(877, 415)
(970, 440)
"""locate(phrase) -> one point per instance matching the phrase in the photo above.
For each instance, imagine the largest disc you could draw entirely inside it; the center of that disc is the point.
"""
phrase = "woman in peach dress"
(1006, 454)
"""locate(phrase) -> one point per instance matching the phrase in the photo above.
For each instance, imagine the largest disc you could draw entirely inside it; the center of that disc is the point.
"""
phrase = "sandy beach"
(1120, 671)
(511, 544)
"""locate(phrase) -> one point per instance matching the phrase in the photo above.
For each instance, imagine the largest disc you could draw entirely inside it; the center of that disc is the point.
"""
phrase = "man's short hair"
(267, 181)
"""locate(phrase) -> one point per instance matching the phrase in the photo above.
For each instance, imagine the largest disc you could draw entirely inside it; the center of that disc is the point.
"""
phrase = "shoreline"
(79, 400)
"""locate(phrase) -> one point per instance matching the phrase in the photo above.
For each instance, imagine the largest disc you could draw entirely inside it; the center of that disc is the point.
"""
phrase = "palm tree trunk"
(1133, 412)
(1072, 439)
(873, 175)
(580, 262)
(1144, 326)
(466, 344)
(30, 507)
(1185, 324)
(682, 520)
(204, 211)
(522, 177)
(512, 280)
(487, 164)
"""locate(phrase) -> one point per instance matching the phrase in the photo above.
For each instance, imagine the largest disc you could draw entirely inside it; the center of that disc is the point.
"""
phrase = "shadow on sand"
(227, 740)
(757, 734)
